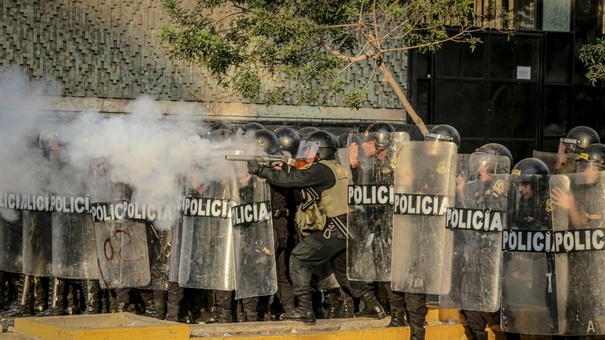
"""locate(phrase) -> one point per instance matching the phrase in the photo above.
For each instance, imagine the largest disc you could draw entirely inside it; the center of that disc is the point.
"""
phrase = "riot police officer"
(324, 183)
(486, 192)
(576, 140)
(529, 282)
(378, 152)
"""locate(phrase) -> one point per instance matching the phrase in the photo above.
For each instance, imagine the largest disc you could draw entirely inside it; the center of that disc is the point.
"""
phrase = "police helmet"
(579, 138)
(219, 126)
(306, 131)
(328, 145)
(532, 171)
(346, 138)
(444, 132)
(249, 128)
(343, 140)
(495, 149)
(220, 135)
(530, 166)
(593, 155)
(379, 133)
(288, 138)
(267, 141)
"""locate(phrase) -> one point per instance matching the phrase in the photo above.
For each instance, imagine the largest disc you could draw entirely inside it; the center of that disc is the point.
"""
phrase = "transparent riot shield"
(370, 199)
(175, 250)
(476, 224)
(37, 243)
(122, 249)
(206, 259)
(159, 249)
(122, 253)
(74, 249)
(578, 243)
(558, 163)
(254, 248)
(11, 240)
(529, 290)
(423, 192)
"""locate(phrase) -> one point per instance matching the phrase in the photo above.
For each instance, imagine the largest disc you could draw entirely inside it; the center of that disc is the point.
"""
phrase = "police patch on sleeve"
(498, 187)
(442, 167)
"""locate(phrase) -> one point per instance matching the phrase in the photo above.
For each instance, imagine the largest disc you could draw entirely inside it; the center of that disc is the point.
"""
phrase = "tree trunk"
(388, 77)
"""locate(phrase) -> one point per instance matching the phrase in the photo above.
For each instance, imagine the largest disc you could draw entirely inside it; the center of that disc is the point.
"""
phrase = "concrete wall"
(105, 52)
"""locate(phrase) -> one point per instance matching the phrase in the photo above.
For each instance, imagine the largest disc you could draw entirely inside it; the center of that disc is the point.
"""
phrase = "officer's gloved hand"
(254, 167)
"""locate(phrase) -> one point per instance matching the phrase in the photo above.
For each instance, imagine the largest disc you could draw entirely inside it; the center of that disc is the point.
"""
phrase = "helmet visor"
(437, 137)
(582, 166)
(569, 145)
(307, 149)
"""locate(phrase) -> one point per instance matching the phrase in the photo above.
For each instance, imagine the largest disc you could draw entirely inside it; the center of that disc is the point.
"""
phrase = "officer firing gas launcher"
(265, 160)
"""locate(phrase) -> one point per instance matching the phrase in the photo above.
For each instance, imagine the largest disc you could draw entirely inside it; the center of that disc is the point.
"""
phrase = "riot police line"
(422, 218)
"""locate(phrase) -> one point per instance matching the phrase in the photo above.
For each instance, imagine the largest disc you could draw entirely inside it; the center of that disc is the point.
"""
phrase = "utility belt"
(335, 225)
(281, 212)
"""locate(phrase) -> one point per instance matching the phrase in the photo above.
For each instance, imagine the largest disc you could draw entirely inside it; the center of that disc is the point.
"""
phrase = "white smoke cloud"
(146, 150)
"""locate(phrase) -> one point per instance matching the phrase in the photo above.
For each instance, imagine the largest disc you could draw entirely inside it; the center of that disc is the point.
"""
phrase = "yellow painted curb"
(101, 326)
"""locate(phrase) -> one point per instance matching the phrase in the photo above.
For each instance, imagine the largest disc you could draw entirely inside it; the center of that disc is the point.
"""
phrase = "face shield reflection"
(480, 166)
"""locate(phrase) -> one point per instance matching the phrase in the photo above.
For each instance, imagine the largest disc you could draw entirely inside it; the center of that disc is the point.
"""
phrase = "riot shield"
(74, 250)
(370, 199)
(254, 248)
(122, 254)
(423, 192)
(578, 243)
(206, 259)
(175, 250)
(11, 240)
(558, 163)
(529, 292)
(74, 253)
(37, 243)
(159, 249)
(121, 244)
(476, 224)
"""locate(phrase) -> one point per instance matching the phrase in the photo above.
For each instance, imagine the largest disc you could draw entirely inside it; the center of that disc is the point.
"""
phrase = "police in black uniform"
(585, 212)
(530, 211)
(481, 193)
(326, 178)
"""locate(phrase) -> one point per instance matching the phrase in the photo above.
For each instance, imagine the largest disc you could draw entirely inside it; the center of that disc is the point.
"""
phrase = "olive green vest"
(334, 200)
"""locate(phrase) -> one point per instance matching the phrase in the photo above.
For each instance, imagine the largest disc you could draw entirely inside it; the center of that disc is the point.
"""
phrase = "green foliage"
(593, 56)
(261, 47)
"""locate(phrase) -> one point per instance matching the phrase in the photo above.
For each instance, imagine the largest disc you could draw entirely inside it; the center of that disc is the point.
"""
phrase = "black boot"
(91, 296)
(417, 333)
(25, 297)
(398, 318)
(122, 300)
(225, 316)
(159, 298)
(251, 316)
(304, 311)
(479, 335)
(173, 301)
(334, 308)
(73, 300)
(347, 305)
(41, 294)
(56, 288)
(372, 307)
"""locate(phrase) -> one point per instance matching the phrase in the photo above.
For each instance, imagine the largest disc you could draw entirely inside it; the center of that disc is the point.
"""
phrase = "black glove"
(254, 167)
